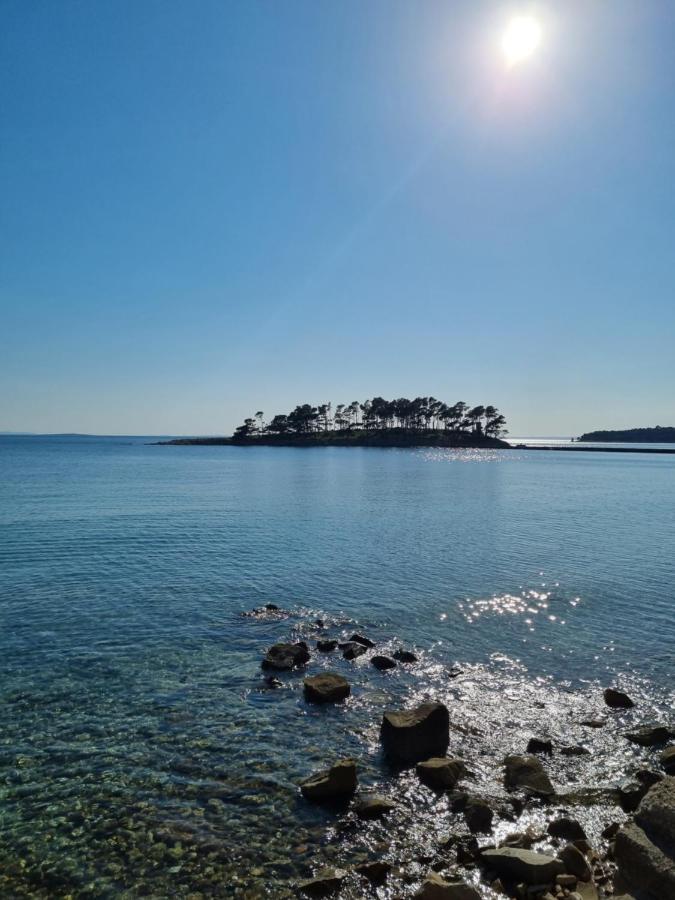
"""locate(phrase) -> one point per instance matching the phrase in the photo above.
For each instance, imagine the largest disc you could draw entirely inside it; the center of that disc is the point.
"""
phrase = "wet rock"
(523, 865)
(650, 735)
(336, 782)
(609, 832)
(667, 760)
(575, 862)
(352, 649)
(645, 849)
(413, 735)
(478, 816)
(319, 623)
(326, 687)
(648, 777)
(271, 607)
(434, 887)
(468, 851)
(373, 806)
(440, 772)
(376, 871)
(284, 657)
(538, 745)
(360, 639)
(326, 646)
(324, 883)
(527, 772)
(629, 794)
(617, 699)
(576, 750)
(594, 723)
(405, 656)
(566, 828)
(272, 682)
(523, 840)
(383, 662)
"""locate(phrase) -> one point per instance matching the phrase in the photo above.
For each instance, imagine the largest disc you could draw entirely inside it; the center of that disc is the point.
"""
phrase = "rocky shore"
(525, 839)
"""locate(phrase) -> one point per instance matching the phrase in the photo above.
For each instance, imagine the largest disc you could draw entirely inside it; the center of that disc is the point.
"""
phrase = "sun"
(521, 39)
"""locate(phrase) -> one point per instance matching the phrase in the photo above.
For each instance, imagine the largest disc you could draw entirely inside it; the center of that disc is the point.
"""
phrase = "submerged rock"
(373, 806)
(440, 772)
(338, 781)
(284, 657)
(527, 772)
(324, 883)
(523, 865)
(375, 871)
(383, 662)
(434, 887)
(405, 656)
(412, 735)
(617, 699)
(650, 735)
(326, 687)
(326, 646)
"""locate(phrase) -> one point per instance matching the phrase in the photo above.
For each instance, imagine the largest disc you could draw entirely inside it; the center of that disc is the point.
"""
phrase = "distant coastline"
(657, 435)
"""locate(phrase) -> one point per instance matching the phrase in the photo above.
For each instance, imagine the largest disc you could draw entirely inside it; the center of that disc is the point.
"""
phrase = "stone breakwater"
(530, 842)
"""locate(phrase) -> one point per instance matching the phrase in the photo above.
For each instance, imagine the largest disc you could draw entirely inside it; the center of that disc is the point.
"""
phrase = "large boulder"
(617, 699)
(332, 784)
(527, 772)
(412, 735)
(284, 657)
(326, 687)
(434, 887)
(645, 849)
(440, 772)
(523, 865)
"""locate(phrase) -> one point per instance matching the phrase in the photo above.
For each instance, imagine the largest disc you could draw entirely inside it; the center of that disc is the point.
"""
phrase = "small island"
(659, 434)
(422, 422)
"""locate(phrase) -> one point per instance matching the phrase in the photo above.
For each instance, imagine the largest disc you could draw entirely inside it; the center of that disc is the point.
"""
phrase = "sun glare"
(521, 39)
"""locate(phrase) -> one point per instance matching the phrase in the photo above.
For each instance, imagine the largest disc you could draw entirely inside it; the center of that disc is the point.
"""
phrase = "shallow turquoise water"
(138, 749)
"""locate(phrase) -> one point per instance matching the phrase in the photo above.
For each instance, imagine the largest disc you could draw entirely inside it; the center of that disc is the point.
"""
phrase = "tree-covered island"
(424, 421)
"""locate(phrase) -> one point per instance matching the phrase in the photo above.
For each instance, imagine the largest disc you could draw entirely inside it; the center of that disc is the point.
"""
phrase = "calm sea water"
(140, 752)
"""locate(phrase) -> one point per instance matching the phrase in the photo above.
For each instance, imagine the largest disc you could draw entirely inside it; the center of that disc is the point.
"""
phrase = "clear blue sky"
(210, 208)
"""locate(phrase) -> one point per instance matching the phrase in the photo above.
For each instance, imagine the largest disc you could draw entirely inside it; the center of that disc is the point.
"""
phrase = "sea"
(143, 752)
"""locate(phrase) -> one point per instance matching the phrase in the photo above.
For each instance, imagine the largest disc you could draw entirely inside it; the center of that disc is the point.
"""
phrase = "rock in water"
(326, 646)
(617, 699)
(284, 657)
(575, 862)
(478, 815)
(373, 806)
(405, 656)
(650, 735)
(645, 849)
(360, 639)
(668, 760)
(375, 871)
(527, 772)
(537, 745)
(523, 865)
(383, 662)
(440, 772)
(566, 828)
(326, 688)
(434, 887)
(352, 649)
(412, 735)
(338, 781)
(324, 883)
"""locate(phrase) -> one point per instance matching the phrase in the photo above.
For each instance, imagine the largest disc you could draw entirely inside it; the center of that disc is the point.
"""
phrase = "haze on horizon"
(210, 209)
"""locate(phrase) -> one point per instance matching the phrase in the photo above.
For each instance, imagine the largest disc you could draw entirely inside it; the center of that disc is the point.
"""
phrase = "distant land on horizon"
(659, 434)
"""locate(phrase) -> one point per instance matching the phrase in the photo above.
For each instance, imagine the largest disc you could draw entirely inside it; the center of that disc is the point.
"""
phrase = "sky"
(214, 208)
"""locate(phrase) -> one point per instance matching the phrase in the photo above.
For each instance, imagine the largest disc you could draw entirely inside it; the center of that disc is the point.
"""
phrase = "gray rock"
(523, 865)
(656, 814)
(617, 699)
(668, 760)
(412, 735)
(478, 815)
(435, 887)
(284, 657)
(373, 806)
(327, 687)
(383, 662)
(575, 862)
(324, 883)
(331, 784)
(566, 828)
(527, 772)
(440, 772)
(650, 735)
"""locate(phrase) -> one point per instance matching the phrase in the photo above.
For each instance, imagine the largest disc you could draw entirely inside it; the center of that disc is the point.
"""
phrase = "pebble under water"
(142, 752)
